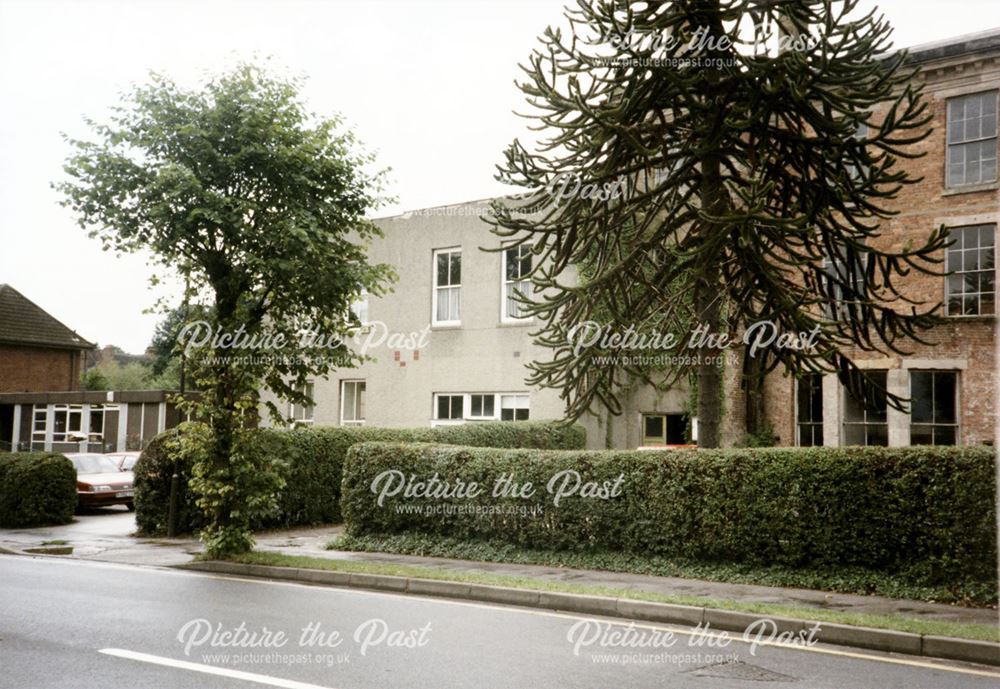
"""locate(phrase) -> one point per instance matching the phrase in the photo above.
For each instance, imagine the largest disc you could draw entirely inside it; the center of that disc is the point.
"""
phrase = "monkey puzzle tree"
(754, 146)
(260, 206)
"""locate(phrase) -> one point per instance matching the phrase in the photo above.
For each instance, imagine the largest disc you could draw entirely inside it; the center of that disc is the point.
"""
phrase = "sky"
(428, 86)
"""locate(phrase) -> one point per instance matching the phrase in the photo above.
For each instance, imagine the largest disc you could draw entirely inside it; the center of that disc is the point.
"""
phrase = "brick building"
(37, 352)
(952, 381)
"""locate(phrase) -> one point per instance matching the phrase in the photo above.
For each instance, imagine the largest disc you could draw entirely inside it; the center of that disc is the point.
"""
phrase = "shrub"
(312, 460)
(153, 471)
(36, 488)
(926, 512)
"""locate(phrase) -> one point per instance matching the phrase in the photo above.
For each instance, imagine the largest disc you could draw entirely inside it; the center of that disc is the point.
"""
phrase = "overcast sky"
(426, 85)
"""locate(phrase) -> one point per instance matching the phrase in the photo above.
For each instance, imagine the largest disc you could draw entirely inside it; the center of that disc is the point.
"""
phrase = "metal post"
(175, 489)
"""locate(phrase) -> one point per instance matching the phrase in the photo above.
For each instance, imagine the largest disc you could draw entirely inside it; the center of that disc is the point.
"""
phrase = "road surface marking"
(529, 611)
(209, 669)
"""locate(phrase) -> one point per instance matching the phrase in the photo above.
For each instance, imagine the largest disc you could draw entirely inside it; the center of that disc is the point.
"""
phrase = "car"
(100, 482)
(125, 460)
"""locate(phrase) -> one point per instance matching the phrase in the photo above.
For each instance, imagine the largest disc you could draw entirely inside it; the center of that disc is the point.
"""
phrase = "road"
(77, 624)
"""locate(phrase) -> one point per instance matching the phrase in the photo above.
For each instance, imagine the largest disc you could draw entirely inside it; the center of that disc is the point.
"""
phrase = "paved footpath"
(106, 535)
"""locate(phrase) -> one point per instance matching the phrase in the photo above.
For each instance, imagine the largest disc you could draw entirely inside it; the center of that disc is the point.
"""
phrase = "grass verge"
(856, 580)
(980, 632)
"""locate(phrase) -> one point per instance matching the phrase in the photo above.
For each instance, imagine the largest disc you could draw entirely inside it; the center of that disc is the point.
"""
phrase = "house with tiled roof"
(37, 352)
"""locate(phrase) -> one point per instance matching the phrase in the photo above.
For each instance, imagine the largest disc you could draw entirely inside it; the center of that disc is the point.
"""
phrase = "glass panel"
(96, 421)
(878, 434)
(922, 396)
(854, 434)
(881, 402)
(944, 435)
(362, 396)
(521, 415)
(654, 428)
(476, 405)
(506, 414)
(944, 397)
(456, 268)
(488, 404)
(442, 407)
(853, 411)
(442, 270)
(512, 264)
(350, 401)
(921, 435)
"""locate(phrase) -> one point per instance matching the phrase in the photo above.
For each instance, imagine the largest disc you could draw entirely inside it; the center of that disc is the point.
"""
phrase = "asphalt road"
(74, 624)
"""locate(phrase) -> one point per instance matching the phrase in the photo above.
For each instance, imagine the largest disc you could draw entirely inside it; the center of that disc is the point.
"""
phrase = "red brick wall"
(36, 369)
(922, 207)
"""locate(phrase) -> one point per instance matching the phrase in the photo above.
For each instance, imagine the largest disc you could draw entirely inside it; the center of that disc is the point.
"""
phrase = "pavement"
(77, 623)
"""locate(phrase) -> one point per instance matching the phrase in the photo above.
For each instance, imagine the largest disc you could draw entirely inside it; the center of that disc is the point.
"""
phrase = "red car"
(99, 481)
(125, 460)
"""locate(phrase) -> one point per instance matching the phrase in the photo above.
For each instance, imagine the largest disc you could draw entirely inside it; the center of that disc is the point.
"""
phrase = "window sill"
(519, 323)
(446, 326)
(970, 189)
(978, 318)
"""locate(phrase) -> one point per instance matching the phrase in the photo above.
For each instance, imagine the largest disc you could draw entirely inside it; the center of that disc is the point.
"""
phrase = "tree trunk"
(709, 373)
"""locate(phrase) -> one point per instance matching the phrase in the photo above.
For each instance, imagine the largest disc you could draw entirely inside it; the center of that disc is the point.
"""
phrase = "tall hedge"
(929, 512)
(314, 459)
(36, 488)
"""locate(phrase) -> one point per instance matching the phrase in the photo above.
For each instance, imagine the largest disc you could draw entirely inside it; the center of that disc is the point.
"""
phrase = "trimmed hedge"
(36, 488)
(928, 513)
(314, 459)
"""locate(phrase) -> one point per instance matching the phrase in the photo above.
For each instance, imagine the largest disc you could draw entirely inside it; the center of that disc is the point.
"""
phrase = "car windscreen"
(94, 464)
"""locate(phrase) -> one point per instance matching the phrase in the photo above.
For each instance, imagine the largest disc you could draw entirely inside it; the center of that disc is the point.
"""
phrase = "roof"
(24, 322)
(967, 44)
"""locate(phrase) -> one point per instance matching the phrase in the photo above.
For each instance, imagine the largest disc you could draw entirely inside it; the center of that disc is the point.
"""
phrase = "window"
(664, 429)
(513, 407)
(971, 288)
(810, 410)
(352, 402)
(933, 417)
(300, 413)
(38, 424)
(360, 308)
(482, 406)
(449, 407)
(867, 426)
(447, 295)
(98, 412)
(844, 285)
(67, 422)
(972, 139)
(853, 169)
(516, 266)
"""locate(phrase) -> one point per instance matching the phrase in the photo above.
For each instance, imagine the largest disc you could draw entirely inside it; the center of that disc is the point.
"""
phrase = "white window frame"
(436, 288)
(436, 420)
(467, 416)
(836, 266)
(504, 283)
(294, 409)
(518, 396)
(865, 423)
(481, 416)
(360, 309)
(965, 142)
(355, 382)
(957, 425)
(960, 272)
